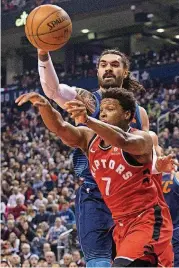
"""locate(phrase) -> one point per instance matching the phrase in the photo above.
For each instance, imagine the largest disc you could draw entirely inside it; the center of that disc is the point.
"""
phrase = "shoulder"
(142, 133)
(144, 118)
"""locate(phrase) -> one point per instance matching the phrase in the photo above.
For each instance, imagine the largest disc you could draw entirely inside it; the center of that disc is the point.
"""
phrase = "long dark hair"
(129, 83)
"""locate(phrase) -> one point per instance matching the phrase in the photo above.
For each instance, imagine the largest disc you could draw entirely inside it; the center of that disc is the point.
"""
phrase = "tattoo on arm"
(87, 98)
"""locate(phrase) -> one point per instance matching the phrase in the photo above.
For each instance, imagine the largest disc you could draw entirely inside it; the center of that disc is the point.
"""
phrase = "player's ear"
(127, 115)
(126, 73)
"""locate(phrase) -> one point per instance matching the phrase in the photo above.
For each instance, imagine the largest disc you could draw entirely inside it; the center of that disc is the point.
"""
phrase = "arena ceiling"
(116, 22)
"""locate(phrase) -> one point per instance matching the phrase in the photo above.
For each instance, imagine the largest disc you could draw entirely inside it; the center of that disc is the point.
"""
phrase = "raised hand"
(35, 98)
(78, 111)
(166, 163)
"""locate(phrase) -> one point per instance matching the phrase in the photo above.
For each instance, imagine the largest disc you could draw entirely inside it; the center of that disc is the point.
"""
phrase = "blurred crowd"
(38, 226)
(85, 66)
(12, 5)
(154, 58)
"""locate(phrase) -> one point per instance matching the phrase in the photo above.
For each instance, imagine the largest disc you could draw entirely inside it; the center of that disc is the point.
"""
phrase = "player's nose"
(108, 67)
(103, 115)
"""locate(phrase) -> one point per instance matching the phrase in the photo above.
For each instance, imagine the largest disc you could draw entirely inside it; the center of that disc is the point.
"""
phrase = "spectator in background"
(48, 184)
(55, 214)
(50, 203)
(50, 258)
(175, 138)
(41, 216)
(45, 227)
(26, 264)
(67, 215)
(67, 259)
(12, 201)
(54, 234)
(77, 258)
(46, 248)
(38, 242)
(34, 260)
(29, 193)
(26, 252)
(73, 265)
(40, 200)
(27, 231)
(15, 261)
(19, 209)
(15, 242)
(10, 229)
(38, 183)
(66, 194)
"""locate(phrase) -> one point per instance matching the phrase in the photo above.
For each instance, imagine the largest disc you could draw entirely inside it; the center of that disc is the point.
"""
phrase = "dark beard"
(110, 84)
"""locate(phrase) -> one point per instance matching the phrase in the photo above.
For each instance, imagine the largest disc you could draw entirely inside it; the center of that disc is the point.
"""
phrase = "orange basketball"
(48, 27)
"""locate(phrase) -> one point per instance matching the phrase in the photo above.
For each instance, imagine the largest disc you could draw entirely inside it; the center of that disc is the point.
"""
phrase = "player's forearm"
(48, 76)
(51, 118)
(60, 93)
(107, 132)
(69, 134)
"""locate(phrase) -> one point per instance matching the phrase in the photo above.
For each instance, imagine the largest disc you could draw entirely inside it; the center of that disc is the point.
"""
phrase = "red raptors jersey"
(157, 178)
(126, 189)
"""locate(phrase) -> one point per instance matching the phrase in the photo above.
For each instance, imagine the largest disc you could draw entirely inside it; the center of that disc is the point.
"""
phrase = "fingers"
(74, 103)
(19, 98)
(76, 116)
(39, 104)
(169, 157)
(75, 109)
(26, 97)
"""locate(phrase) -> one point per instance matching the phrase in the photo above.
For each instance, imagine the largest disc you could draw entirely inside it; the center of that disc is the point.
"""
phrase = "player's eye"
(102, 64)
(115, 64)
(110, 109)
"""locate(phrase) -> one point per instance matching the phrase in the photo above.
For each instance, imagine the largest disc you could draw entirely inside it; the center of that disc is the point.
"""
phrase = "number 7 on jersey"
(108, 182)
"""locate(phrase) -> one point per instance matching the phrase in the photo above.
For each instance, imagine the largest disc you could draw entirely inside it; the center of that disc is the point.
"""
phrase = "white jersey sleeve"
(60, 93)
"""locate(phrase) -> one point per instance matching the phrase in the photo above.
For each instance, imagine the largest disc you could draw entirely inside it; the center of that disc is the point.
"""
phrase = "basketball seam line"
(47, 18)
(51, 31)
(57, 44)
(32, 28)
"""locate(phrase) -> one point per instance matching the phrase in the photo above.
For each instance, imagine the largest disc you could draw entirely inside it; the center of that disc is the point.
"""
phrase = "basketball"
(48, 27)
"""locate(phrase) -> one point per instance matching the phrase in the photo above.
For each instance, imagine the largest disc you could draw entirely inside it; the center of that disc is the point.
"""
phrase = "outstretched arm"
(139, 143)
(70, 135)
(60, 93)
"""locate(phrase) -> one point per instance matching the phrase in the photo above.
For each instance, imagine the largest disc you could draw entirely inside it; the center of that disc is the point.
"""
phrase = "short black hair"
(125, 98)
(130, 83)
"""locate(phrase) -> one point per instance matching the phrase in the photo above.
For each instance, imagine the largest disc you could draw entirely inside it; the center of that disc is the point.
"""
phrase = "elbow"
(49, 93)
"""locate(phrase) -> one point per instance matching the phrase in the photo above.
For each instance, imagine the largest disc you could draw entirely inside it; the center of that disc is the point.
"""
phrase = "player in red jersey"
(157, 178)
(121, 162)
